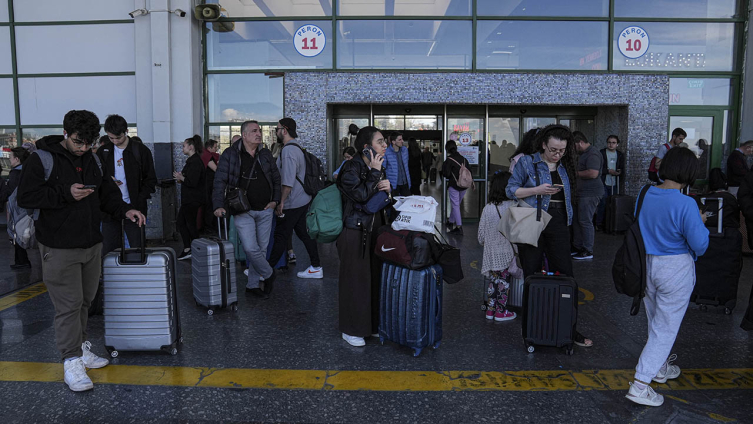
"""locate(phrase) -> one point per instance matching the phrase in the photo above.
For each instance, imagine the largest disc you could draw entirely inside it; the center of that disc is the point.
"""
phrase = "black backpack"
(629, 267)
(315, 178)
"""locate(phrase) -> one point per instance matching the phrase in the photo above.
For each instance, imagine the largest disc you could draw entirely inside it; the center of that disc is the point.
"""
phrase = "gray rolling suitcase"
(140, 300)
(213, 272)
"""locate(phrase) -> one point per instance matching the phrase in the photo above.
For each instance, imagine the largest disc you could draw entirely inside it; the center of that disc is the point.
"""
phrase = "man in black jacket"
(129, 163)
(737, 166)
(248, 165)
(612, 167)
(69, 190)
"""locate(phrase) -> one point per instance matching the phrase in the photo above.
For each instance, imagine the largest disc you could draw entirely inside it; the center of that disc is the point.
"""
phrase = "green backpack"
(324, 219)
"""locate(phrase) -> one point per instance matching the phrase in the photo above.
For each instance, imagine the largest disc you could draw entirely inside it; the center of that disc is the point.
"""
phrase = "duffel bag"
(408, 249)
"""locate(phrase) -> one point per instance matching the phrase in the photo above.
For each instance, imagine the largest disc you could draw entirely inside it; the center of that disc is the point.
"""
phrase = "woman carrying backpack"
(674, 235)
(360, 181)
(18, 156)
(451, 170)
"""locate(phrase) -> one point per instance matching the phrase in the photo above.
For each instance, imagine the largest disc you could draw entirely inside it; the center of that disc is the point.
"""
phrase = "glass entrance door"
(469, 133)
(704, 138)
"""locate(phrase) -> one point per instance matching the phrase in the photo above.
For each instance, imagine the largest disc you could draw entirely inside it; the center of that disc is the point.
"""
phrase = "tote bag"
(417, 213)
(523, 223)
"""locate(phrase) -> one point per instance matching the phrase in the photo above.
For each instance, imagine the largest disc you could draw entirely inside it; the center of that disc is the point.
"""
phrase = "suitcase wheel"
(210, 312)
(417, 351)
(727, 311)
(381, 339)
(180, 340)
(704, 308)
(114, 353)
(174, 351)
(531, 349)
(234, 307)
(483, 307)
(569, 350)
(437, 344)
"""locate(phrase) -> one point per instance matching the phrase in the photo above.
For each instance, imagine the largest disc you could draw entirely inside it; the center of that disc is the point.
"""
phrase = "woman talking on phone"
(555, 164)
(360, 181)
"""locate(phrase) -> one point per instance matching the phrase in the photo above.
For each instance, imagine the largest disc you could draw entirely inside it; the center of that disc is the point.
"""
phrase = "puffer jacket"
(391, 165)
(358, 183)
(229, 173)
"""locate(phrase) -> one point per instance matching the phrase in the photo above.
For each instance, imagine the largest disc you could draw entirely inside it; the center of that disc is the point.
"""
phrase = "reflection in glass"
(34, 134)
(390, 122)
(344, 138)
(264, 45)
(564, 45)
(420, 123)
(675, 8)
(586, 126)
(680, 46)
(240, 97)
(261, 9)
(530, 123)
(504, 135)
(224, 133)
(411, 44)
(700, 130)
(403, 8)
(700, 91)
(598, 8)
(470, 130)
(8, 141)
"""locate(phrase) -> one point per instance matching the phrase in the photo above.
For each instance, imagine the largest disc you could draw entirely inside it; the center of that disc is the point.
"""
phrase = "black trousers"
(112, 235)
(21, 256)
(294, 220)
(555, 242)
(187, 225)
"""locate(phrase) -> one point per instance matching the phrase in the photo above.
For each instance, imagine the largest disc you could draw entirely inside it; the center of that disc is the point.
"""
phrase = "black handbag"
(448, 257)
(236, 199)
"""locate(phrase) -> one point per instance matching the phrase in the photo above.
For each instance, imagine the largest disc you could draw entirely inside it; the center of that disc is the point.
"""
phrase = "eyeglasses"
(80, 143)
(560, 152)
(281, 127)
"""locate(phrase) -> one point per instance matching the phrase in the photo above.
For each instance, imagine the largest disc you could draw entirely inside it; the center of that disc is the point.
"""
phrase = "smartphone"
(89, 187)
(559, 186)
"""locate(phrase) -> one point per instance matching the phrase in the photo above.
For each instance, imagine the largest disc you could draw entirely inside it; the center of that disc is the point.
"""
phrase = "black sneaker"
(269, 283)
(457, 230)
(20, 266)
(585, 254)
(185, 255)
(257, 292)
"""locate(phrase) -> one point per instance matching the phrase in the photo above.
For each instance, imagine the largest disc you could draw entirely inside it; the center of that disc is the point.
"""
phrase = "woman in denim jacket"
(555, 162)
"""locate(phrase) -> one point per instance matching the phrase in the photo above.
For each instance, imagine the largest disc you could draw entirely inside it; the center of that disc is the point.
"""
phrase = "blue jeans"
(583, 227)
(253, 229)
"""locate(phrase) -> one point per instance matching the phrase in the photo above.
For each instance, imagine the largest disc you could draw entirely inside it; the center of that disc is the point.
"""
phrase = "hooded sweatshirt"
(65, 223)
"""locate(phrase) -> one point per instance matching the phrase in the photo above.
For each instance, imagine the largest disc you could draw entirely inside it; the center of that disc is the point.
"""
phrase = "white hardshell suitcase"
(140, 300)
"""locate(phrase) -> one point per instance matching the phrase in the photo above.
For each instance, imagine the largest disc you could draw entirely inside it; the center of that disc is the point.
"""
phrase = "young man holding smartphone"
(613, 164)
(54, 180)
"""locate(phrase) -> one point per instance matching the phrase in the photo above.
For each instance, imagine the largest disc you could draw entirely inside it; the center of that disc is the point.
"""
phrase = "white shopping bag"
(417, 213)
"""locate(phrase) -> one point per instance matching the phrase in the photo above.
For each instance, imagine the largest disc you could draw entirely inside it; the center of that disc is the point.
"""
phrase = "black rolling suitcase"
(619, 212)
(433, 175)
(550, 311)
(718, 270)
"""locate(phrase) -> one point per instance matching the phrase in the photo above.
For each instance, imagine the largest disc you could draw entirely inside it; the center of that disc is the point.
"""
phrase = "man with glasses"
(291, 212)
(249, 166)
(130, 165)
(64, 181)
(590, 191)
(612, 165)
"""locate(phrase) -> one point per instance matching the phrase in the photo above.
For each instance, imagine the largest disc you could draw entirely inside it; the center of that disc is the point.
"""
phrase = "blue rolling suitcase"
(410, 309)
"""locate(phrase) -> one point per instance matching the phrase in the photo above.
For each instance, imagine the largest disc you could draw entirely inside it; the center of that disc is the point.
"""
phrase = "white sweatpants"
(668, 287)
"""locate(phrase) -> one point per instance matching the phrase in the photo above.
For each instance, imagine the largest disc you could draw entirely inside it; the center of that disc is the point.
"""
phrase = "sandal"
(582, 341)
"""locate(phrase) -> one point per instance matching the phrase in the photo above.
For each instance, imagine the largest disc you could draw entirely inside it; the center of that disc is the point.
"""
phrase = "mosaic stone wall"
(307, 95)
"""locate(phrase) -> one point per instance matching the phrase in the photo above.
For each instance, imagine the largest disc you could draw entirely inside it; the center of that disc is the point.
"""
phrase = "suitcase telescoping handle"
(719, 213)
(220, 221)
(132, 256)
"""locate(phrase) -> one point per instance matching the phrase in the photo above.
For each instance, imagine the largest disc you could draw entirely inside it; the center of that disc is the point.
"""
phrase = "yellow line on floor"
(691, 379)
(23, 295)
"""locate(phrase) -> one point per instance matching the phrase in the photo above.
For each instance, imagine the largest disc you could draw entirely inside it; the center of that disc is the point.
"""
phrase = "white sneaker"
(354, 341)
(671, 372)
(75, 375)
(312, 272)
(91, 360)
(646, 396)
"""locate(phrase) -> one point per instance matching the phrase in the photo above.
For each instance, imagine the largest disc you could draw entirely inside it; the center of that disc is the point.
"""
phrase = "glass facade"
(598, 8)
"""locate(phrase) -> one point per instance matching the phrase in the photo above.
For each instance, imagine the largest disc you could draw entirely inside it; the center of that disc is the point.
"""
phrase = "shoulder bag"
(522, 223)
(236, 199)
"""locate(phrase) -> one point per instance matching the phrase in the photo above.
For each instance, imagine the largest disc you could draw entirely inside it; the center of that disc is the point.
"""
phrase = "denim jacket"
(523, 176)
